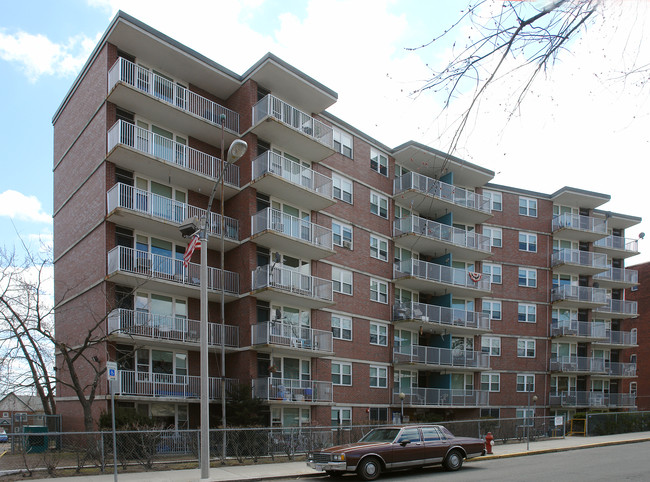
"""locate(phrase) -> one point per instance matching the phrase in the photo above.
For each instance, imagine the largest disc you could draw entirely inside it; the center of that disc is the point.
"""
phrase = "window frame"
(379, 240)
(526, 377)
(378, 335)
(378, 377)
(338, 183)
(527, 314)
(527, 245)
(342, 329)
(492, 235)
(528, 207)
(525, 351)
(377, 205)
(341, 274)
(489, 194)
(377, 294)
(490, 347)
(492, 311)
(378, 160)
(340, 421)
(527, 278)
(342, 135)
(491, 382)
(341, 375)
(344, 228)
(490, 272)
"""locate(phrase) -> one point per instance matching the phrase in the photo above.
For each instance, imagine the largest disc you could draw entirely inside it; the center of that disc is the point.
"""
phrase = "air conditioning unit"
(347, 244)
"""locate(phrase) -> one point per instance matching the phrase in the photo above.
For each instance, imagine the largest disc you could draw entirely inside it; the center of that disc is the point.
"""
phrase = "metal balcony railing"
(624, 307)
(441, 190)
(443, 357)
(580, 223)
(183, 156)
(585, 294)
(598, 332)
(172, 328)
(163, 385)
(591, 399)
(592, 365)
(619, 275)
(587, 259)
(292, 281)
(294, 336)
(166, 268)
(293, 118)
(442, 274)
(296, 228)
(441, 397)
(441, 315)
(618, 243)
(292, 171)
(167, 91)
(441, 232)
(163, 208)
(289, 389)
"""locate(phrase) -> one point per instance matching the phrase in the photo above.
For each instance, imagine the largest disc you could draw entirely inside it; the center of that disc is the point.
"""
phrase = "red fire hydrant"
(489, 442)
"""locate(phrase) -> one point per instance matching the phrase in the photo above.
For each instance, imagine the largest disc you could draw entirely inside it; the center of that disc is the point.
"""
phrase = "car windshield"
(381, 435)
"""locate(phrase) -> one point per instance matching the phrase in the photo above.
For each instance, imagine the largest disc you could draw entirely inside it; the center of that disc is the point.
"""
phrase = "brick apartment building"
(354, 272)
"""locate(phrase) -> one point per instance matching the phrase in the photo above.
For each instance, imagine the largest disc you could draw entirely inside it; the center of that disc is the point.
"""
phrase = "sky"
(581, 125)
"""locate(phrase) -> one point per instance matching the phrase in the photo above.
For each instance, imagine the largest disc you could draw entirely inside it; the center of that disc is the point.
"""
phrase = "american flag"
(195, 243)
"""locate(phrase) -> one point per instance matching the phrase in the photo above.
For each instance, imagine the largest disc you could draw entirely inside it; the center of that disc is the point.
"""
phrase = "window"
(378, 248)
(525, 382)
(525, 348)
(341, 327)
(495, 235)
(490, 382)
(528, 206)
(342, 373)
(342, 142)
(528, 242)
(342, 188)
(342, 234)
(526, 415)
(491, 345)
(494, 270)
(342, 281)
(496, 199)
(379, 162)
(378, 334)
(528, 277)
(378, 377)
(341, 416)
(378, 291)
(492, 309)
(633, 389)
(490, 413)
(379, 414)
(527, 313)
(379, 205)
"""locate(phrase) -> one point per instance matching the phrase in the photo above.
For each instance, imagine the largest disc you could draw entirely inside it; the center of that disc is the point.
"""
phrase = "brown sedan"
(397, 447)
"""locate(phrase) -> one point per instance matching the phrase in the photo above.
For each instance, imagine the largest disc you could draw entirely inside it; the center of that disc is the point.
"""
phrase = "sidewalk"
(295, 469)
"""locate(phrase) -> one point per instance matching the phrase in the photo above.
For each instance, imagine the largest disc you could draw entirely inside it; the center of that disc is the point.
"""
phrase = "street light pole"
(402, 396)
(527, 423)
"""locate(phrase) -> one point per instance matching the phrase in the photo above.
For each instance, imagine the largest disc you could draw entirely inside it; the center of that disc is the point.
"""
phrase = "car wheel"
(453, 461)
(369, 468)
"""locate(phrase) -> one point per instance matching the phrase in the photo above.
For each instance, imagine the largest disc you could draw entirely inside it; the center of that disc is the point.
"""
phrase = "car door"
(435, 443)
(408, 449)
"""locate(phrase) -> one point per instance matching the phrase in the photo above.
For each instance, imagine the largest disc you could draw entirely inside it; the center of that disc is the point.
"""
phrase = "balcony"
(617, 278)
(617, 339)
(437, 279)
(303, 239)
(162, 385)
(169, 330)
(283, 124)
(285, 338)
(579, 364)
(435, 198)
(278, 176)
(435, 239)
(584, 330)
(585, 297)
(439, 319)
(619, 309)
(592, 399)
(131, 267)
(141, 90)
(288, 286)
(431, 358)
(443, 397)
(292, 390)
(576, 227)
(139, 209)
(574, 261)
(617, 246)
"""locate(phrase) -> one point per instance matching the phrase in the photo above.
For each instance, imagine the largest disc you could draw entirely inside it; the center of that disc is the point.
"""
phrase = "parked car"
(397, 447)
(3, 435)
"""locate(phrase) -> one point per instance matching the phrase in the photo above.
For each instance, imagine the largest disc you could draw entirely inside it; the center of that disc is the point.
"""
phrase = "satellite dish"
(596, 285)
(641, 235)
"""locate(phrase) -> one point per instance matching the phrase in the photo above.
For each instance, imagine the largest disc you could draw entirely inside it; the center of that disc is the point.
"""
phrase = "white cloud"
(37, 55)
(19, 206)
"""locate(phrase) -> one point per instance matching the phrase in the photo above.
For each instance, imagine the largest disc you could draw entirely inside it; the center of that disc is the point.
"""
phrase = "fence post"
(101, 451)
(587, 424)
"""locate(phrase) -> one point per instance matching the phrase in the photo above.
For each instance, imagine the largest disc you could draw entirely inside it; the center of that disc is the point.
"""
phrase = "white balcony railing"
(441, 315)
(296, 228)
(587, 259)
(166, 268)
(442, 274)
(181, 155)
(585, 294)
(443, 397)
(618, 243)
(591, 399)
(292, 171)
(167, 91)
(619, 275)
(599, 332)
(290, 389)
(289, 335)
(293, 118)
(443, 191)
(442, 357)
(144, 202)
(592, 365)
(292, 281)
(165, 385)
(441, 232)
(580, 223)
(172, 328)
(624, 307)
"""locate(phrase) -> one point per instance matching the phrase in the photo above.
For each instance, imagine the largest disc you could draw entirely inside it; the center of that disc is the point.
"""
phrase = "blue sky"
(576, 128)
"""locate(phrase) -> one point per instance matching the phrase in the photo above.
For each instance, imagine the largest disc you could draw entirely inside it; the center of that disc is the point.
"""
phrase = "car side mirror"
(403, 443)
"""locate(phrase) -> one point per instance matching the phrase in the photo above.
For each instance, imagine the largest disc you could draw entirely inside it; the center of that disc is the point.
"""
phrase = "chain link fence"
(623, 422)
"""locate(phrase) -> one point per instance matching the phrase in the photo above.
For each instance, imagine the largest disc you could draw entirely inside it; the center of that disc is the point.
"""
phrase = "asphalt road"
(612, 463)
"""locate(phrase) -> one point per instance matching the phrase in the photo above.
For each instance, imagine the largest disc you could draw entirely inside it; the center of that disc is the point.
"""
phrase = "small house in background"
(17, 410)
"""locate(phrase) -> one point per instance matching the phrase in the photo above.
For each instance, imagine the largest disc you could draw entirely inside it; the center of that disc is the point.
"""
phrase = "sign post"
(111, 376)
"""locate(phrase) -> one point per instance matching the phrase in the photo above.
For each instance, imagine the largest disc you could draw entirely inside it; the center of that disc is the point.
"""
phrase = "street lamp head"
(190, 226)
(402, 396)
(534, 398)
(236, 151)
